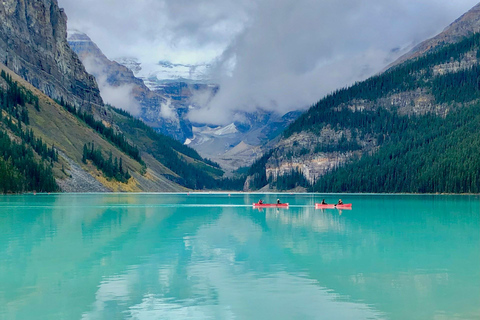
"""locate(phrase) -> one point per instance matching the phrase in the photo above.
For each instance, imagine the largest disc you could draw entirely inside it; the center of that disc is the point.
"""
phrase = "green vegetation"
(191, 170)
(15, 97)
(20, 171)
(117, 139)
(111, 168)
(20, 168)
(258, 173)
(430, 155)
(460, 87)
(290, 180)
(408, 76)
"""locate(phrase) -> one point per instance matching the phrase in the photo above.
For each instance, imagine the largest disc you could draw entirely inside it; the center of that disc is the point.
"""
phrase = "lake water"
(212, 256)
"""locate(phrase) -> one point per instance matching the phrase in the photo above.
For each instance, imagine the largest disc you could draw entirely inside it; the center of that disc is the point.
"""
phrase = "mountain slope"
(405, 130)
(67, 134)
(166, 107)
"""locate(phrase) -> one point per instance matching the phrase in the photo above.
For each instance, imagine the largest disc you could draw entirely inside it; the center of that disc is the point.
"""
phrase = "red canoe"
(333, 206)
(270, 205)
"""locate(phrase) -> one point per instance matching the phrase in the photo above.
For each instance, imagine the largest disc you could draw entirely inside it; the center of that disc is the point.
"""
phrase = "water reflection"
(177, 256)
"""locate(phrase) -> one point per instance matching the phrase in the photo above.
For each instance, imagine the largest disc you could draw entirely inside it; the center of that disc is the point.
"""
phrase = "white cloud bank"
(121, 96)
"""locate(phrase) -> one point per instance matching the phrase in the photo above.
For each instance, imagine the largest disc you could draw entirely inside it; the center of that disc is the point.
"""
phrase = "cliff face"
(33, 43)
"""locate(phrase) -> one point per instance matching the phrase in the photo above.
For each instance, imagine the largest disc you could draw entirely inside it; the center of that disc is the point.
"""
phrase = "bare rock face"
(33, 43)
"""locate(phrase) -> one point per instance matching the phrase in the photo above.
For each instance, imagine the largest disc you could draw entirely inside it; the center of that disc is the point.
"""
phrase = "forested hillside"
(53, 146)
(414, 128)
(26, 162)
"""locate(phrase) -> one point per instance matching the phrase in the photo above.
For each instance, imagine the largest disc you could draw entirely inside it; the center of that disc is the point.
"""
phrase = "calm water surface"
(211, 256)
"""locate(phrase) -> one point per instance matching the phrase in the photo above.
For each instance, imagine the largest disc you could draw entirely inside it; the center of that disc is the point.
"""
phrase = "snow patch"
(153, 75)
(230, 129)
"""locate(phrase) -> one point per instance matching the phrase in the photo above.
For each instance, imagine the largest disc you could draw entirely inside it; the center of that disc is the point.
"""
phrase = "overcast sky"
(270, 54)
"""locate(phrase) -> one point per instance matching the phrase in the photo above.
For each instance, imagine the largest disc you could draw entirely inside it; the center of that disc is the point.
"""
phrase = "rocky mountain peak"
(33, 43)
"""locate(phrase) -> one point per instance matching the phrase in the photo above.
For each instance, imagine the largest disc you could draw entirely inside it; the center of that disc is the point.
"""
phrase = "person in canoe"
(260, 201)
(340, 202)
(323, 202)
(278, 201)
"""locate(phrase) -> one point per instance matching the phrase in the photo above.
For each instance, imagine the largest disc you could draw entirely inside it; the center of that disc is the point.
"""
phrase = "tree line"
(432, 155)
(20, 169)
(111, 167)
(116, 138)
(194, 173)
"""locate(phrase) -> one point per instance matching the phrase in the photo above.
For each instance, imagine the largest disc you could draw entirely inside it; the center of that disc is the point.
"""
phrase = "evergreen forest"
(25, 160)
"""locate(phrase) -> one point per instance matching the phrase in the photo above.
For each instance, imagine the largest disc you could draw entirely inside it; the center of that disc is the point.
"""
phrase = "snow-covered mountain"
(158, 74)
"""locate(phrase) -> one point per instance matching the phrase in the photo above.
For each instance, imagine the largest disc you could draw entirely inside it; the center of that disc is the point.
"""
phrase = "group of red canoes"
(322, 205)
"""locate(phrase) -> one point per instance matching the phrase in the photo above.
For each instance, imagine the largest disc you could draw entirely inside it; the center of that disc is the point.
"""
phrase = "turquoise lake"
(212, 256)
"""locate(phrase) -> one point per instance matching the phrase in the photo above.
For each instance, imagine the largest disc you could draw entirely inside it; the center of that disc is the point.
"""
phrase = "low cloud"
(118, 96)
(167, 110)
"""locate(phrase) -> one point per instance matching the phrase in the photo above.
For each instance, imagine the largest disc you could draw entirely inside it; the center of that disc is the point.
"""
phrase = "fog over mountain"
(270, 54)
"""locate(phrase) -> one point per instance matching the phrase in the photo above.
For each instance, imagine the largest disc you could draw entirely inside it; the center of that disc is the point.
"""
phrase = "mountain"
(57, 135)
(165, 93)
(412, 128)
(120, 87)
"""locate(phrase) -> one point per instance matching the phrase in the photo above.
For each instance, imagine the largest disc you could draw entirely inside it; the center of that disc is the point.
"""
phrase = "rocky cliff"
(33, 44)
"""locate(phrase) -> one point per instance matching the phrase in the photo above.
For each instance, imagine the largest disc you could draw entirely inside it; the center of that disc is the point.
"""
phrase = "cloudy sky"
(269, 54)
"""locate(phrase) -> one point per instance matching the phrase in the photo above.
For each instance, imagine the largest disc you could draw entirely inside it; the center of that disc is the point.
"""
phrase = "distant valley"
(165, 93)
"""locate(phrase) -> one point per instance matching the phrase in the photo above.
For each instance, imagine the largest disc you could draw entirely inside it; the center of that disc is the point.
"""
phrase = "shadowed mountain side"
(69, 134)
